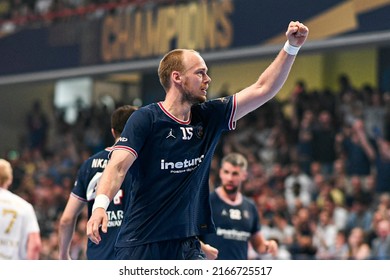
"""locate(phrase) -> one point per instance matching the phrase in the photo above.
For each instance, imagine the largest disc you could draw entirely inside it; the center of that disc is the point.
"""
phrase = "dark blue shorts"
(178, 249)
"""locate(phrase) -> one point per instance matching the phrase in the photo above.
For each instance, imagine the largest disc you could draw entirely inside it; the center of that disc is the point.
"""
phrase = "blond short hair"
(5, 172)
(172, 61)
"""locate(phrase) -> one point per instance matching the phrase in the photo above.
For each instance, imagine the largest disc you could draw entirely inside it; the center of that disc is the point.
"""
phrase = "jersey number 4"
(92, 186)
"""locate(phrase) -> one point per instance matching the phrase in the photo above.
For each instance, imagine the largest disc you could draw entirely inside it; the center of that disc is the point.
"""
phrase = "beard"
(189, 97)
(231, 190)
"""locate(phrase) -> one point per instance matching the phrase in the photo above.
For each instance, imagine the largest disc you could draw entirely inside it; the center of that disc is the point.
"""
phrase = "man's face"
(195, 80)
(231, 177)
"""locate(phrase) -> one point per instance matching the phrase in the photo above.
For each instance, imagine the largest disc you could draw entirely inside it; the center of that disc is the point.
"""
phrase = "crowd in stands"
(320, 174)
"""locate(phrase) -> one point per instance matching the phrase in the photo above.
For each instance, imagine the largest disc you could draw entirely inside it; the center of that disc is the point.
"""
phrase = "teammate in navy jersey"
(169, 146)
(84, 193)
(235, 216)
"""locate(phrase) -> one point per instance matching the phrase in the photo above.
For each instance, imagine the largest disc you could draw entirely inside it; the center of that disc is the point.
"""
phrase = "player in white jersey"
(19, 230)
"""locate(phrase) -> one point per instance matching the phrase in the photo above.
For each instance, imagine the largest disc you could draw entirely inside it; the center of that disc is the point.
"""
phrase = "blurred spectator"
(303, 248)
(328, 191)
(381, 244)
(379, 153)
(324, 135)
(358, 247)
(378, 216)
(315, 169)
(349, 103)
(305, 141)
(37, 126)
(384, 203)
(374, 112)
(339, 250)
(281, 229)
(300, 100)
(359, 216)
(338, 213)
(276, 177)
(344, 83)
(325, 233)
(340, 177)
(354, 146)
(297, 188)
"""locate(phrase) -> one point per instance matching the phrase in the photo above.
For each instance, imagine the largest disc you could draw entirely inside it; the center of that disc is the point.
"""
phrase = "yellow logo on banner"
(149, 32)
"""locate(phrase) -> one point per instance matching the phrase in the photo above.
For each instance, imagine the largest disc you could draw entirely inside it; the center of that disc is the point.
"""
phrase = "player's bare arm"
(272, 79)
(108, 186)
(263, 246)
(67, 224)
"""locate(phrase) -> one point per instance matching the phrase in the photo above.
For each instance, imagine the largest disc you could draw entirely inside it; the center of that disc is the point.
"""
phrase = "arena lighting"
(372, 39)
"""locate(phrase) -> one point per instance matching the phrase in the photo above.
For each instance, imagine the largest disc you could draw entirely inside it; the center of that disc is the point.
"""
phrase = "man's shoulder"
(16, 200)
(214, 102)
(152, 107)
(213, 194)
(248, 200)
(149, 111)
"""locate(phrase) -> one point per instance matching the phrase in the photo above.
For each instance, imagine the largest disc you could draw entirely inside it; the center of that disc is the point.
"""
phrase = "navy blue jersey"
(85, 190)
(235, 225)
(170, 192)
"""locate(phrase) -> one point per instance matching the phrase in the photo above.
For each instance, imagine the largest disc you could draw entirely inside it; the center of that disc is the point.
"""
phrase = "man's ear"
(220, 172)
(176, 77)
(113, 133)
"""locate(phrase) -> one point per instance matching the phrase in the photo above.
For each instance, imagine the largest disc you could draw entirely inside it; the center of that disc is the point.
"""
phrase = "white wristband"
(101, 201)
(291, 50)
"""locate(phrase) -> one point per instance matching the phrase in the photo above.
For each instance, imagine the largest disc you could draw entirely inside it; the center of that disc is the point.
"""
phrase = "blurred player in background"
(235, 216)
(19, 230)
(84, 193)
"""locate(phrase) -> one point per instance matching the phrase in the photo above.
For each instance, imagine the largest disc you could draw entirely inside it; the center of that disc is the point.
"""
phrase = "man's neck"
(179, 110)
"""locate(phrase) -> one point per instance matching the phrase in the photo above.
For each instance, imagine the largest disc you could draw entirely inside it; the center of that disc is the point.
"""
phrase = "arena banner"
(134, 33)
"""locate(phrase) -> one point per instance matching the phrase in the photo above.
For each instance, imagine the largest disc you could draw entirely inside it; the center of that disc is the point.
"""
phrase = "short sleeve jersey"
(17, 221)
(170, 193)
(234, 227)
(85, 189)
